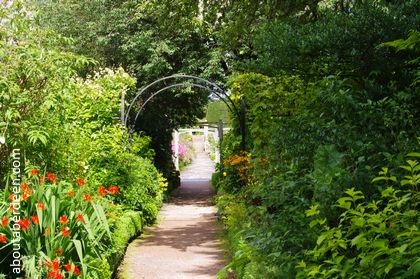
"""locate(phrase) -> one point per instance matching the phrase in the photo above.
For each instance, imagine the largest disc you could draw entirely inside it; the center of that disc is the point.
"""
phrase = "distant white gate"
(215, 131)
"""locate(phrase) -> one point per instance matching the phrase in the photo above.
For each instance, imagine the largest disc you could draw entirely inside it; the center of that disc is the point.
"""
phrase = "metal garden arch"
(186, 81)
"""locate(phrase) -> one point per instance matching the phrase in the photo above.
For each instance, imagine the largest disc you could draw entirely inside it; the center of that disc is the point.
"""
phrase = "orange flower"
(24, 224)
(41, 179)
(63, 220)
(80, 181)
(113, 190)
(55, 274)
(26, 189)
(70, 269)
(70, 193)
(80, 217)
(65, 232)
(102, 190)
(3, 238)
(25, 197)
(34, 172)
(4, 221)
(47, 231)
(59, 252)
(87, 198)
(51, 177)
(35, 219)
(40, 205)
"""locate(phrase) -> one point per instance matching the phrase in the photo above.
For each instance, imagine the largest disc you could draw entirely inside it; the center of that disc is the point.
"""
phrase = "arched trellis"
(189, 81)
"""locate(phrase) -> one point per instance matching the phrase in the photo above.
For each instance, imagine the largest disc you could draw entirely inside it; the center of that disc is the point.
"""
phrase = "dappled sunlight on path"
(185, 242)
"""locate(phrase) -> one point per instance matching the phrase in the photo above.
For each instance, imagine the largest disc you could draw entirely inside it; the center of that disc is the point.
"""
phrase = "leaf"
(313, 210)
(402, 248)
(356, 195)
(379, 178)
(414, 154)
(321, 239)
(359, 241)
(388, 192)
(301, 264)
(79, 250)
(344, 202)
(35, 136)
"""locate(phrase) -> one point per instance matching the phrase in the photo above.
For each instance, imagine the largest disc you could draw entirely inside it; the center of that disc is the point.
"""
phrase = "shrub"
(374, 239)
(127, 226)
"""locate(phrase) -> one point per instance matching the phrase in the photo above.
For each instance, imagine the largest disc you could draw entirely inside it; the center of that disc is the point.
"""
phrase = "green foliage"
(126, 227)
(150, 39)
(327, 105)
(69, 125)
(59, 221)
(376, 239)
(216, 111)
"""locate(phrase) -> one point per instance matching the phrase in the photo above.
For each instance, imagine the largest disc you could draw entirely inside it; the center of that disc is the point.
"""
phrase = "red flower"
(3, 238)
(55, 264)
(67, 266)
(80, 217)
(80, 181)
(51, 177)
(113, 190)
(76, 271)
(102, 190)
(70, 193)
(34, 172)
(63, 220)
(87, 198)
(55, 274)
(40, 205)
(59, 252)
(4, 221)
(24, 224)
(35, 219)
(65, 232)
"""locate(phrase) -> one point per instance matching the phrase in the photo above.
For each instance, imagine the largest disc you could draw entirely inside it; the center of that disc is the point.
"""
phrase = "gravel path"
(185, 242)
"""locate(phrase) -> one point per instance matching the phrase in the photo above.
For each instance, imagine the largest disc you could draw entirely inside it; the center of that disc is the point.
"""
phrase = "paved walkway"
(185, 242)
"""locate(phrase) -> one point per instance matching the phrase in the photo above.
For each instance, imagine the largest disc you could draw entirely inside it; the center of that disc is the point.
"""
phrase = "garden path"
(185, 242)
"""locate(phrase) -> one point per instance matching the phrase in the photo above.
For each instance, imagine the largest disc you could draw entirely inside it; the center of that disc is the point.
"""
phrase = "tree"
(151, 39)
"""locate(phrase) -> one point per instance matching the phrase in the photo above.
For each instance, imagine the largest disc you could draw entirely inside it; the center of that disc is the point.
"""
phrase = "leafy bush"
(127, 226)
(142, 187)
(375, 239)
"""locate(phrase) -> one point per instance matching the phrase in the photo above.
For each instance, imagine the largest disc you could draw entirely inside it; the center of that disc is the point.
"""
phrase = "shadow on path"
(185, 242)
